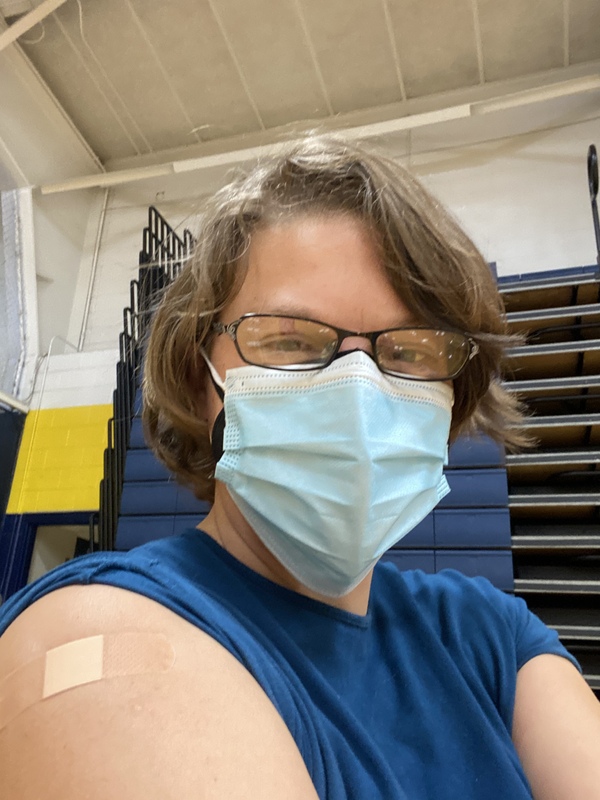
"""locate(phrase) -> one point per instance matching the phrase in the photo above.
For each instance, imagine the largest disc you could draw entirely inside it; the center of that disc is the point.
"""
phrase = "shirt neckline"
(289, 595)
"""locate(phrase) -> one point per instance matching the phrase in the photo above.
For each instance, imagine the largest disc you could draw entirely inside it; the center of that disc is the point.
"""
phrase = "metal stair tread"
(541, 384)
(555, 542)
(549, 585)
(548, 282)
(571, 456)
(563, 420)
(582, 345)
(555, 312)
(585, 632)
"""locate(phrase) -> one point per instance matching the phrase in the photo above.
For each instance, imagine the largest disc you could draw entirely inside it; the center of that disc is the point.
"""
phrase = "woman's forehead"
(322, 267)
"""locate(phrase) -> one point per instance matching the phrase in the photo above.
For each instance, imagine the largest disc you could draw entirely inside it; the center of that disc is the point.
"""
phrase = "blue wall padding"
(476, 488)
(412, 559)
(495, 565)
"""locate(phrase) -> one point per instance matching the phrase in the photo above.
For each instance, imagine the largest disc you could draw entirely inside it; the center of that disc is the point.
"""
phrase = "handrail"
(592, 171)
(12, 402)
(161, 259)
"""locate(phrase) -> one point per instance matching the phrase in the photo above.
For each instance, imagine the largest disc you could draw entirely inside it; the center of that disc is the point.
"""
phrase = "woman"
(333, 331)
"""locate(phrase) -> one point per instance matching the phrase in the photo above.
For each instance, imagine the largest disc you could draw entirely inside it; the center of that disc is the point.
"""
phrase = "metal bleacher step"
(562, 420)
(571, 456)
(526, 586)
(550, 314)
(553, 496)
(547, 385)
(588, 544)
(551, 348)
(579, 287)
(564, 431)
(572, 466)
(554, 359)
(593, 681)
(584, 632)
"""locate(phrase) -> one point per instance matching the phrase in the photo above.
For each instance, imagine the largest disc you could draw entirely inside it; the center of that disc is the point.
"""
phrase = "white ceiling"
(146, 77)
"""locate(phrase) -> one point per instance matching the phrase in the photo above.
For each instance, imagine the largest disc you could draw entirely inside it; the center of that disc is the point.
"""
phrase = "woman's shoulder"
(159, 571)
(447, 589)
(102, 658)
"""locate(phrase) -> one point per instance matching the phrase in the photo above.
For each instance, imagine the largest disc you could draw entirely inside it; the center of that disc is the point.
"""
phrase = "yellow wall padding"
(60, 462)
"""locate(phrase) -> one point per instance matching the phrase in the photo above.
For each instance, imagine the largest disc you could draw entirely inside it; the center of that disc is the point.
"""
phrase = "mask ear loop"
(218, 429)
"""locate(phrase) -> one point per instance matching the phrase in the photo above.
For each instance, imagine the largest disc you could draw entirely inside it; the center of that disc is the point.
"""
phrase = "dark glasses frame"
(231, 330)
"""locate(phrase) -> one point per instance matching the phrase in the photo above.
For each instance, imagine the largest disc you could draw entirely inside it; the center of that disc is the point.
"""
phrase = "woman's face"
(326, 269)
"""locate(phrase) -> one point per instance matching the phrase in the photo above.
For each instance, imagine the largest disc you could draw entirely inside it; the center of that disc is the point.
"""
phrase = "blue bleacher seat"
(472, 527)
(142, 465)
(476, 488)
(411, 559)
(137, 402)
(141, 498)
(137, 530)
(475, 451)
(420, 536)
(495, 565)
(136, 436)
(149, 497)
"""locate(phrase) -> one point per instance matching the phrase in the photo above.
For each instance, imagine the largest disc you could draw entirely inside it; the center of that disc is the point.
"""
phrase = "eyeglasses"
(295, 343)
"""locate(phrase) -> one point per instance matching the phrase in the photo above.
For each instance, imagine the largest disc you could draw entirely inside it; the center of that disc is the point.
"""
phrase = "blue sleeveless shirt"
(413, 701)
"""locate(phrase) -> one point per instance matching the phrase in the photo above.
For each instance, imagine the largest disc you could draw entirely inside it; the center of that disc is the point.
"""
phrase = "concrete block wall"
(60, 462)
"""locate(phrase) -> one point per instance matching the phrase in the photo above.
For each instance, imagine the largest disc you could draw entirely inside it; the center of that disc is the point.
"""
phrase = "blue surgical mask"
(333, 467)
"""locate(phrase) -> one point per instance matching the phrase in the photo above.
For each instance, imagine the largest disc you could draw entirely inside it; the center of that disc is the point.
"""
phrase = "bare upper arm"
(204, 729)
(556, 730)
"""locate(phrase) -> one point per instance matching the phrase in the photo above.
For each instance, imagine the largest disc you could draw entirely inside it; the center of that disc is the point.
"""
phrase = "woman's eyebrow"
(294, 310)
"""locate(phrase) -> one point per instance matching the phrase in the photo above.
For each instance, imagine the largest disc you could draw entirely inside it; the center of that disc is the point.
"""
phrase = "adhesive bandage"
(95, 658)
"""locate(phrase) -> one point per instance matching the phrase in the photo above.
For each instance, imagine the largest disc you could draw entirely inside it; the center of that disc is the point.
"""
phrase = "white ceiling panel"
(120, 57)
(271, 49)
(521, 37)
(201, 69)
(437, 44)
(150, 80)
(352, 45)
(584, 30)
(89, 104)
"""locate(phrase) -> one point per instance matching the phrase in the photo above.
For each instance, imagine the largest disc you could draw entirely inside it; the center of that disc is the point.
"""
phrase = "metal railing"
(161, 258)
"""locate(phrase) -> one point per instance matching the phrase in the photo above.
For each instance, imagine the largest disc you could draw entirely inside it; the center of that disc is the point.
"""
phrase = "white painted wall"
(523, 199)
(54, 544)
(75, 379)
(60, 222)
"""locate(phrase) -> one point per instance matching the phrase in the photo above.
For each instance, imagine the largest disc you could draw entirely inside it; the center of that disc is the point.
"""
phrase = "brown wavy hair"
(432, 264)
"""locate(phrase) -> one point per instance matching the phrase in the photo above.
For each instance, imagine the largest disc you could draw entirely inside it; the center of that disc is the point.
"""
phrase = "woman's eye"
(411, 356)
(288, 344)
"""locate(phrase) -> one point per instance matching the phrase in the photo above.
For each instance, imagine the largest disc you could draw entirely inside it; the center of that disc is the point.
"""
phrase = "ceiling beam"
(27, 22)
(587, 83)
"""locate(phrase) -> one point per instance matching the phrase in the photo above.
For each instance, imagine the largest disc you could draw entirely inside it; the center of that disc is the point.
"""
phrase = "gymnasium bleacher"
(528, 522)
(554, 491)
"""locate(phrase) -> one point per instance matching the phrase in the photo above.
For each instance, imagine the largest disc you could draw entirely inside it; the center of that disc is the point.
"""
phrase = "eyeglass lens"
(290, 343)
